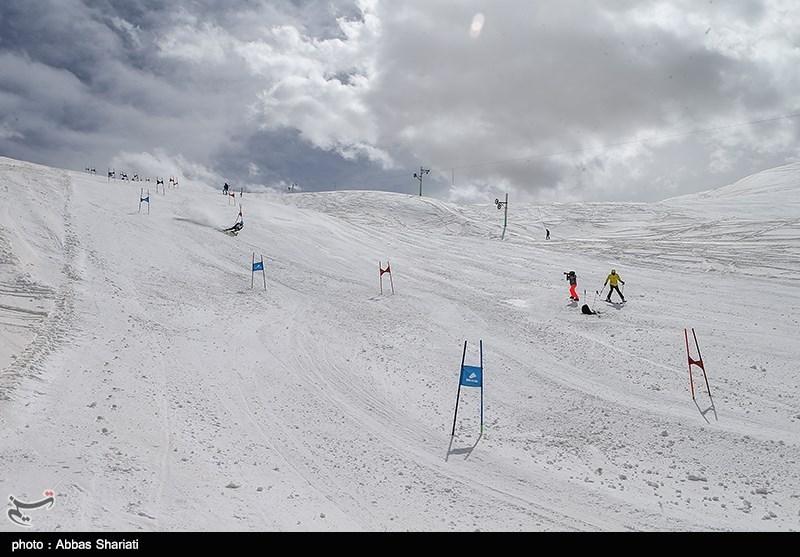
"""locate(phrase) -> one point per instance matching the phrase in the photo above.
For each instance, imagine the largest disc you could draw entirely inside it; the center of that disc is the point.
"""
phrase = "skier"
(612, 281)
(225, 188)
(234, 230)
(548, 234)
(573, 284)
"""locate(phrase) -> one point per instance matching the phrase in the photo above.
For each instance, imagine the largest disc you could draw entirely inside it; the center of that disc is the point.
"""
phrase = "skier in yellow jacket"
(612, 281)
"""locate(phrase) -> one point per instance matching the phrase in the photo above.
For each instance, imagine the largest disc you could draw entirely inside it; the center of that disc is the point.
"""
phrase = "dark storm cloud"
(555, 100)
(83, 81)
(567, 77)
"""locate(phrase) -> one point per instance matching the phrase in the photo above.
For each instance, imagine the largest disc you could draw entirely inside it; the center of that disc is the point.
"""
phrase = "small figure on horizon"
(548, 234)
(225, 188)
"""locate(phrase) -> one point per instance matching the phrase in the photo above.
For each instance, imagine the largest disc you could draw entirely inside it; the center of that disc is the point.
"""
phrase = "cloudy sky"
(550, 100)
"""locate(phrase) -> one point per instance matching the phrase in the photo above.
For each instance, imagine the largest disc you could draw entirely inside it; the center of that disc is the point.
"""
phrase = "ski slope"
(146, 383)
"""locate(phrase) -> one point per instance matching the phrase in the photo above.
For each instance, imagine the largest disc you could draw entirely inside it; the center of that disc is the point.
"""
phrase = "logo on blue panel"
(471, 376)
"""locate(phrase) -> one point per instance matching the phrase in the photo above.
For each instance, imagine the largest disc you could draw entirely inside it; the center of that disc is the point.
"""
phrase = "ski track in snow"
(146, 383)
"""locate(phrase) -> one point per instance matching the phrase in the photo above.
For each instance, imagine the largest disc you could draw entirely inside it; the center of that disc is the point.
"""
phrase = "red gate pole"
(702, 365)
(689, 358)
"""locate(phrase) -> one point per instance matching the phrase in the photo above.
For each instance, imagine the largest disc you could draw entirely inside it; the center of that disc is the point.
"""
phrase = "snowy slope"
(148, 385)
(774, 193)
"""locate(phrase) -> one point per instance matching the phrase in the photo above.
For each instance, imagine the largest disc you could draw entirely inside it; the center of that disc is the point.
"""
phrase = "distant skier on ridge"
(612, 281)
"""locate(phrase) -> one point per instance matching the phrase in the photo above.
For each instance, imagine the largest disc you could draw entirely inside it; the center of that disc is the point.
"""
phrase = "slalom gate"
(692, 362)
(144, 199)
(255, 267)
(382, 271)
(470, 376)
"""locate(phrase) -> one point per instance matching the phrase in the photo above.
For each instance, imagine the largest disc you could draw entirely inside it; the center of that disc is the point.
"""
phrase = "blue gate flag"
(146, 199)
(471, 376)
(258, 266)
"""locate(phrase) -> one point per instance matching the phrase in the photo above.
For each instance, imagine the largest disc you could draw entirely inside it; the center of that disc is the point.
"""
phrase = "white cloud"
(7, 132)
(160, 164)
(131, 31)
(315, 86)
(318, 87)
(197, 44)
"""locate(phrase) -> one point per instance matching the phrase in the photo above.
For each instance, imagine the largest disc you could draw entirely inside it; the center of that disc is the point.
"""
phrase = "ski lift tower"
(503, 205)
(422, 172)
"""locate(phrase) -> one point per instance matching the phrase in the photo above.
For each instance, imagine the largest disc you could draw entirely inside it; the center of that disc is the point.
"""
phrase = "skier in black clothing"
(225, 188)
(548, 234)
(234, 230)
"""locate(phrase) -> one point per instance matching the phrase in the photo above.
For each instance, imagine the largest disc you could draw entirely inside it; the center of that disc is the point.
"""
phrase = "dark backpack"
(586, 310)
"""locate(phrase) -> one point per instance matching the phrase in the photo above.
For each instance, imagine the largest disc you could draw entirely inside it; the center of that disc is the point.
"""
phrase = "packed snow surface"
(149, 386)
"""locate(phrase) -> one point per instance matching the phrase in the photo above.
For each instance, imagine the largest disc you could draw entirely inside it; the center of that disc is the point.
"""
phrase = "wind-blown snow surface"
(148, 385)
